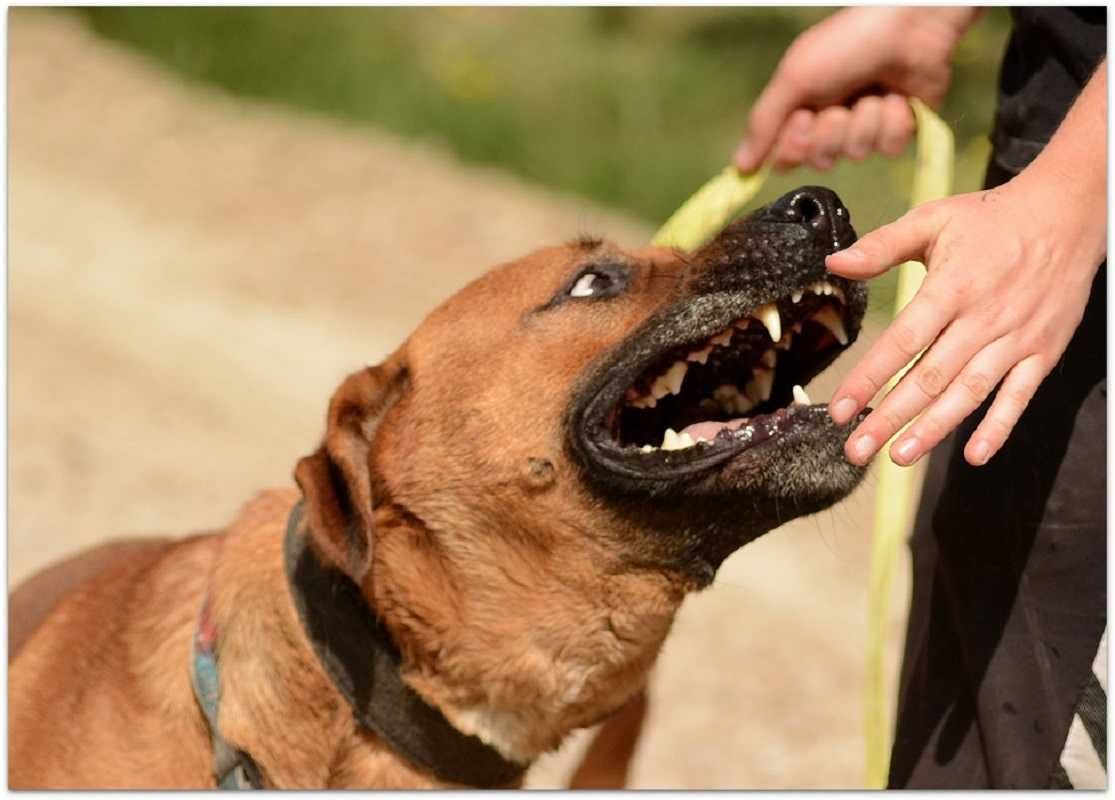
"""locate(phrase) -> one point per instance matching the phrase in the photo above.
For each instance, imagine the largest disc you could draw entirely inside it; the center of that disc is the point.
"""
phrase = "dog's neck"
(363, 663)
(518, 644)
(518, 672)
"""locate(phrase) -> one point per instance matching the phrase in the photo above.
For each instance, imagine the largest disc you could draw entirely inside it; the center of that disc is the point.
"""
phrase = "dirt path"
(191, 276)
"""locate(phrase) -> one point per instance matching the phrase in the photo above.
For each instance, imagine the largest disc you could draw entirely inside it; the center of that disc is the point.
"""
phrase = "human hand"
(1009, 274)
(842, 87)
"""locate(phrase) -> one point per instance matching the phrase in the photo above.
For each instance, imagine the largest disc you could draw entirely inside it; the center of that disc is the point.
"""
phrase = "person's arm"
(842, 88)
(1009, 274)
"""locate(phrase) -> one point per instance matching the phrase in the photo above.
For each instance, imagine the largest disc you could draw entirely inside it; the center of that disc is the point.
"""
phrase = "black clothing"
(1010, 567)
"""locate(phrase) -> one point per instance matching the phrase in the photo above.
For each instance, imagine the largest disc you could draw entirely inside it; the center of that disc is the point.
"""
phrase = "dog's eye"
(599, 280)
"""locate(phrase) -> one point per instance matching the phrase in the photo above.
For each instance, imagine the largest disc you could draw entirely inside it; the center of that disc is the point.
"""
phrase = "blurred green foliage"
(632, 107)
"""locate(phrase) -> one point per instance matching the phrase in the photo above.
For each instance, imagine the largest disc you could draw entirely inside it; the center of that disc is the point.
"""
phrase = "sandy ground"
(191, 276)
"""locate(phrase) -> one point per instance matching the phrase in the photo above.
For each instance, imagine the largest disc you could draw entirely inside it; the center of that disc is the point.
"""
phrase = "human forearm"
(1073, 168)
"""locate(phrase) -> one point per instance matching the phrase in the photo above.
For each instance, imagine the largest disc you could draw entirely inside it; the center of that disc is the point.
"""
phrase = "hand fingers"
(963, 396)
(912, 330)
(907, 238)
(795, 140)
(829, 134)
(920, 387)
(1013, 397)
(864, 127)
(765, 121)
(896, 125)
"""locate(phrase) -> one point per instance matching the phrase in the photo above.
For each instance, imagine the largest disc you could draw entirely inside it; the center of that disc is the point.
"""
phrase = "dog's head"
(587, 413)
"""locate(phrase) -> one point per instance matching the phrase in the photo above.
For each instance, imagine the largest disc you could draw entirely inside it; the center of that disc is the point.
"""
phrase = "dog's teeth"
(647, 448)
(796, 296)
(760, 386)
(676, 441)
(722, 339)
(828, 317)
(700, 356)
(769, 358)
(826, 288)
(800, 397)
(675, 376)
(670, 382)
(838, 293)
(768, 315)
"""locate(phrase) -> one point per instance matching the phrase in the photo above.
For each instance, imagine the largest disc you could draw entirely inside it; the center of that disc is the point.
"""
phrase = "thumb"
(764, 123)
(908, 238)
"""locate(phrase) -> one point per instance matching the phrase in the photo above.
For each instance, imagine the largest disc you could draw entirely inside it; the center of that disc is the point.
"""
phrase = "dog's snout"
(818, 208)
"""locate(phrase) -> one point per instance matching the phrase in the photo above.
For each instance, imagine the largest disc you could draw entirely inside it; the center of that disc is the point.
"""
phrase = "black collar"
(360, 659)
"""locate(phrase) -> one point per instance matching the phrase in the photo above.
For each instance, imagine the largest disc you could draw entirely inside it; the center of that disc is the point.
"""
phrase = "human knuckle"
(905, 339)
(930, 378)
(997, 428)
(978, 385)
(930, 428)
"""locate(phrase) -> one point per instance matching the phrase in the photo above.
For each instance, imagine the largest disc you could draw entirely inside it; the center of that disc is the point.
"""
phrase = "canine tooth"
(800, 397)
(675, 376)
(796, 296)
(722, 339)
(759, 388)
(831, 320)
(700, 356)
(838, 293)
(769, 358)
(672, 440)
(768, 315)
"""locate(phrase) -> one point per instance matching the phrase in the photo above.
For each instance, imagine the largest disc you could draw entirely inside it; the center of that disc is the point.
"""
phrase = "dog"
(487, 549)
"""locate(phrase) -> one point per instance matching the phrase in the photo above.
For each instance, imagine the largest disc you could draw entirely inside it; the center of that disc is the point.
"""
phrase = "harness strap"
(232, 768)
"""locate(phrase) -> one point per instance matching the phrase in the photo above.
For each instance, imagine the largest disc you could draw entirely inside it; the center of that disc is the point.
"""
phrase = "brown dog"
(489, 546)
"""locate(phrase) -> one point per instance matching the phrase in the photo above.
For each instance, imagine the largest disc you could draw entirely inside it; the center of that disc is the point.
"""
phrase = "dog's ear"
(336, 479)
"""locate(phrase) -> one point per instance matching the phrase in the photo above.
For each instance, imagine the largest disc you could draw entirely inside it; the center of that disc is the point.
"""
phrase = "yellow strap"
(894, 487)
(704, 215)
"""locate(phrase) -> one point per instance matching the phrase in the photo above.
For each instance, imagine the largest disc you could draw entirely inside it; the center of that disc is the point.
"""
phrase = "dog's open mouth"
(740, 386)
(675, 405)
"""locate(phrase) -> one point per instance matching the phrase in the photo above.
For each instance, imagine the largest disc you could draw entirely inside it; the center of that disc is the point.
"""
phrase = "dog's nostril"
(807, 208)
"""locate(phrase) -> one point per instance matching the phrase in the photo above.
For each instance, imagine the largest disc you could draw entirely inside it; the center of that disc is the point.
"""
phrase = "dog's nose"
(820, 209)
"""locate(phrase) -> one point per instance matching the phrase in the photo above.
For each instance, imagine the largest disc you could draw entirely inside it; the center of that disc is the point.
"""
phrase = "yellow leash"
(704, 215)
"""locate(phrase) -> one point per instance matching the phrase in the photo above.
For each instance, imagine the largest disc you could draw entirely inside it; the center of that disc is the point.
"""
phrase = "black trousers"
(1010, 587)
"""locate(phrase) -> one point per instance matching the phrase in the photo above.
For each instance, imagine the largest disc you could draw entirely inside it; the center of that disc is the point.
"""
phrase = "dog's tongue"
(708, 430)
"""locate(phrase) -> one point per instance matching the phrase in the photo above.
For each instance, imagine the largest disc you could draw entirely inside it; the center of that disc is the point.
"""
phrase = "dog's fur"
(527, 598)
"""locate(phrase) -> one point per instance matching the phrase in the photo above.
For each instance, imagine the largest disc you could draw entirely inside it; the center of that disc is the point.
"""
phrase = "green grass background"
(632, 107)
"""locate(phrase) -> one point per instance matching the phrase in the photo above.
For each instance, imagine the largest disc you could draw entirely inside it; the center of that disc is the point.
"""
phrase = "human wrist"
(1072, 199)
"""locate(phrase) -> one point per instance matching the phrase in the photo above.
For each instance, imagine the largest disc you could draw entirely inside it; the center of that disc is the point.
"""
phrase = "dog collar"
(357, 653)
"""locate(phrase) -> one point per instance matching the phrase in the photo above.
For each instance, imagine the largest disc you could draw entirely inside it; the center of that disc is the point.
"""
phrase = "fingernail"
(843, 410)
(981, 452)
(907, 451)
(742, 157)
(864, 447)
